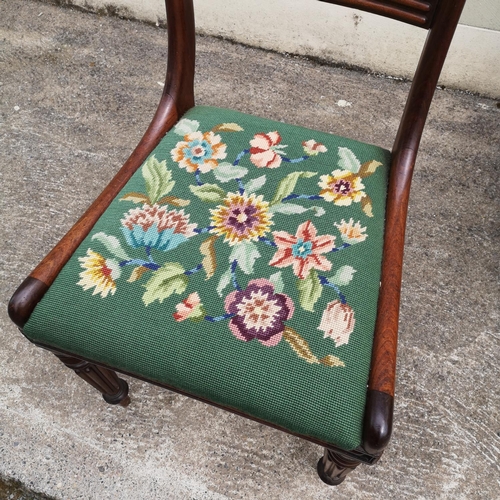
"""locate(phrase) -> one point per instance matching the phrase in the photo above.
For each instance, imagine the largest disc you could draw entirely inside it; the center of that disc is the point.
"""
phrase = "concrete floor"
(77, 91)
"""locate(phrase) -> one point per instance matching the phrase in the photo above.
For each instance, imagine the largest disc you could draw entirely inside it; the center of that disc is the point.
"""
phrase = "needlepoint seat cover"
(240, 264)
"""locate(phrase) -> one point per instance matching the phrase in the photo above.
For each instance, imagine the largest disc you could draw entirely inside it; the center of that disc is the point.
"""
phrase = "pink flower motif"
(337, 322)
(265, 150)
(313, 148)
(302, 251)
(190, 307)
(258, 312)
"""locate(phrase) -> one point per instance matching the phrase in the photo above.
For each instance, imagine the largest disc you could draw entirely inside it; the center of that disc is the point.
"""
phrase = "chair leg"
(114, 390)
(333, 467)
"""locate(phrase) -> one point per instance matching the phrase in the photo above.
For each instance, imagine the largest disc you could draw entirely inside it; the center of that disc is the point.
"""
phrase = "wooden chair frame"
(440, 17)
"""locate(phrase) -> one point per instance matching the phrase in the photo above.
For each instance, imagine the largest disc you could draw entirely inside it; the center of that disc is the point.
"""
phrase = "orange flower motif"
(99, 272)
(266, 150)
(351, 233)
(190, 307)
(302, 251)
(199, 151)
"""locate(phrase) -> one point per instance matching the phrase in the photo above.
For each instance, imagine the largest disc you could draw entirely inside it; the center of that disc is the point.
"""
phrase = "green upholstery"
(240, 264)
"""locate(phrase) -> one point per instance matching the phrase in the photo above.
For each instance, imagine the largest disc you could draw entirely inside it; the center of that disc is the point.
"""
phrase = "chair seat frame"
(440, 17)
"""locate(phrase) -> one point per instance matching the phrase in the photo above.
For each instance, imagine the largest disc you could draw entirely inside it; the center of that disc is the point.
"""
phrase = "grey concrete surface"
(76, 93)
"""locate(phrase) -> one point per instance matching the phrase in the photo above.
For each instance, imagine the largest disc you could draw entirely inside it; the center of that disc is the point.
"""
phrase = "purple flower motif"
(259, 313)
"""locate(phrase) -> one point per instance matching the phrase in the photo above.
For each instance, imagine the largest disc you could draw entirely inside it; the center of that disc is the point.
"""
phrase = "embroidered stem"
(198, 178)
(203, 229)
(324, 281)
(199, 267)
(139, 262)
(341, 247)
(294, 196)
(294, 160)
(240, 156)
(267, 241)
(234, 265)
(241, 186)
(214, 319)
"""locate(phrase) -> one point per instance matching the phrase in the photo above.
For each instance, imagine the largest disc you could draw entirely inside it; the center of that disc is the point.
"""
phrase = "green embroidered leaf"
(164, 282)
(227, 127)
(330, 360)
(137, 273)
(343, 276)
(246, 254)
(287, 185)
(366, 205)
(136, 198)
(299, 345)
(224, 282)
(158, 178)
(287, 208)
(277, 281)
(112, 245)
(226, 172)
(210, 193)
(348, 161)
(255, 184)
(186, 126)
(207, 249)
(309, 290)
(173, 200)
(197, 314)
(319, 211)
(369, 168)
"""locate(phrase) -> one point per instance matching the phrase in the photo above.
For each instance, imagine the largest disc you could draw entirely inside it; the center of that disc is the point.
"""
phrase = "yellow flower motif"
(99, 272)
(342, 187)
(241, 218)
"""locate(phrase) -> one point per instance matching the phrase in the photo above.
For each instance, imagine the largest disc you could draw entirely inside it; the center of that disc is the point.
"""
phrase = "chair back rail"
(416, 12)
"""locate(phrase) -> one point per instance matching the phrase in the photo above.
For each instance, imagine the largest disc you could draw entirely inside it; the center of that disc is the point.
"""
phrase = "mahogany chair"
(247, 263)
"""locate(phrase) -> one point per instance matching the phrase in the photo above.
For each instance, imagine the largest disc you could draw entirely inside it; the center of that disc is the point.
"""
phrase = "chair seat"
(240, 264)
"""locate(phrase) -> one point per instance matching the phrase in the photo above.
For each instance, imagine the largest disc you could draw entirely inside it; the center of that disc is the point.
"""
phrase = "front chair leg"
(333, 467)
(114, 390)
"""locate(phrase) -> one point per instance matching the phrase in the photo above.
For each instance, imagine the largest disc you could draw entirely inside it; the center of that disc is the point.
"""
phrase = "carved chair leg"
(333, 467)
(114, 390)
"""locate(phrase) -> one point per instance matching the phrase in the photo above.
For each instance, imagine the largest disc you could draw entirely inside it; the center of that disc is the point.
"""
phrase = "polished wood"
(441, 18)
(114, 390)
(416, 12)
(333, 467)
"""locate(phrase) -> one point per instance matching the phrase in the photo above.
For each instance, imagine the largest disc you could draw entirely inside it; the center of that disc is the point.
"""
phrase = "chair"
(247, 263)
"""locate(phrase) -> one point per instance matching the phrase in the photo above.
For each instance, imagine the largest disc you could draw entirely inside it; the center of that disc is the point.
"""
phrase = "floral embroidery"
(258, 312)
(99, 272)
(239, 218)
(266, 150)
(351, 233)
(156, 227)
(337, 322)
(190, 307)
(199, 152)
(342, 187)
(313, 148)
(302, 251)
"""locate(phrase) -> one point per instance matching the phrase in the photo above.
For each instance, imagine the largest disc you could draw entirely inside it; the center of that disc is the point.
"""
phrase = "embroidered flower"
(259, 313)
(191, 308)
(351, 233)
(99, 272)
(337, 322)
(302, 251)
(342, 187)
(265, 150)
(199, 151)
(156, 227)
(313, 148)
(241, 217)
